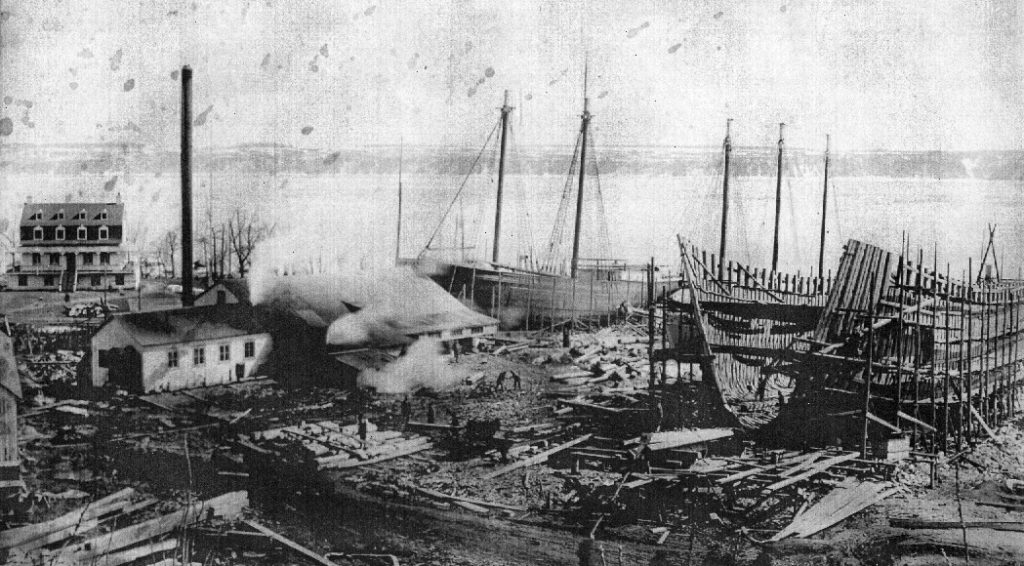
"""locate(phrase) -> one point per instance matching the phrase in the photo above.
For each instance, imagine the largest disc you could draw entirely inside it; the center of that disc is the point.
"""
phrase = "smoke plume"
(421, 366)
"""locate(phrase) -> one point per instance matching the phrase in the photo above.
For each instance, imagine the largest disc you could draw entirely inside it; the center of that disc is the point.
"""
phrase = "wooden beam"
(814, 470)
(339, 463)
(22, 535)
(538, 458)
(444, 497)
(974, 412)
(918, 422)
(319, 559)
(879, 420)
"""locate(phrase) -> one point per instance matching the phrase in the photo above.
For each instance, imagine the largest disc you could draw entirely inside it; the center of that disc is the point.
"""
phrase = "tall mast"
(398, 228)
(725, 197)
(824, 212)
(505, 109)
(778, 203)
(579, 194)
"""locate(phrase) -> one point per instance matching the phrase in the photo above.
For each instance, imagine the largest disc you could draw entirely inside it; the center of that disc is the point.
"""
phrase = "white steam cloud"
(421, 366)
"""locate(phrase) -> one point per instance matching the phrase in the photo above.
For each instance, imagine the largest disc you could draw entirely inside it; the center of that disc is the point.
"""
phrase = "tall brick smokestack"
(186, 186)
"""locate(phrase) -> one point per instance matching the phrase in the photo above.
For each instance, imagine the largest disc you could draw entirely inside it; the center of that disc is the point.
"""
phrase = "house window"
(60, 214)
(96, 280)
(198, 356)
(104, 258)
(48, 280)
(80, 215)
(37, 216)
(225, 352)
(103, 214)
(87, 259)
(81, 233)
(119, 279)
(23, 281)
(37, 259)
(222, 297)
(37, 233)
(54, 259)
(61, 233)
(104, 233)
(172, 359)
(250, 349)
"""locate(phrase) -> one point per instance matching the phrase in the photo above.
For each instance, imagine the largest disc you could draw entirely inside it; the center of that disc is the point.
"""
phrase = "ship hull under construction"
(735, 324)
(525, 299)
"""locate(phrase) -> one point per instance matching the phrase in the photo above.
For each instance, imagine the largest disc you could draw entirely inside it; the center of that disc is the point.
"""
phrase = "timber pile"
(327, 444)
(78, 537)
(783, 493)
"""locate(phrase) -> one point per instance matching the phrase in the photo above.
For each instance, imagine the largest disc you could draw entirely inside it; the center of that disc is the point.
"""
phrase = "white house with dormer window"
(70, 237)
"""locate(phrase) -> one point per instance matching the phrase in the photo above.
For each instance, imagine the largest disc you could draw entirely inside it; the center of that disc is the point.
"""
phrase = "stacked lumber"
(327, 444)
(839, 504)
(75, 538)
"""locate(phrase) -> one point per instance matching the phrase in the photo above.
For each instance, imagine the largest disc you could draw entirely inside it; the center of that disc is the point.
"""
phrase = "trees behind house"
(245, 231)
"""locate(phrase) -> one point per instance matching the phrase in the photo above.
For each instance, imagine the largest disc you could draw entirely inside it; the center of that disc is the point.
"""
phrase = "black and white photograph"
(511, 282)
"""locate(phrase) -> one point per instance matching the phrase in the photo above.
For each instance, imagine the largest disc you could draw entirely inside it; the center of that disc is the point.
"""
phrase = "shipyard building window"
(103, 215)
(23, 281)
(86, 259)
(250, 349)
(225, 352)
(61, 233)
(172, 359)
(60, 214)
(119, 279)
(104, 258)
(96, 281)
(49, 280)
(37, 259)
(104, 233)
(80, 215)
(81, 233)
(54, 259)
(37, 216)
(37, 233)
(198, 356)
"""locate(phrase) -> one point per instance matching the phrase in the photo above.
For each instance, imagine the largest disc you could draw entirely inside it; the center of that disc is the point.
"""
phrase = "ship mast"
(725, 198)
(398, 228)
(824, 212)
(505, 109)
(579, 194)
(778, 203)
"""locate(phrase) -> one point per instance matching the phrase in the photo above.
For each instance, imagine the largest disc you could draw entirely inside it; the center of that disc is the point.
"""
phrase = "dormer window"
(60, 215)
(37, 216)
(82, 233)
(61, 233)
(103, 215)
(104, 233)
(37, 233)
(80, 215)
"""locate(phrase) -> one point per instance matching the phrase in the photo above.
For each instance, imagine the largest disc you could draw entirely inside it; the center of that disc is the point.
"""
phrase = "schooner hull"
(523, 299)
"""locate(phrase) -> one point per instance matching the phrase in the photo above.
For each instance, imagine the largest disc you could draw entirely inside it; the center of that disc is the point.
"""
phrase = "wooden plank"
(538, 458)
(291, 544)
(132, 554)
(444, 497)
(814, 470)
(338, 463)
(917, 523)
(21, 535)
(974, 412)
(228, 506)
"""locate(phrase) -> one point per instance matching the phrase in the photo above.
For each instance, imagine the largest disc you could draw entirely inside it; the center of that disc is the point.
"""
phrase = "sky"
(892, 75)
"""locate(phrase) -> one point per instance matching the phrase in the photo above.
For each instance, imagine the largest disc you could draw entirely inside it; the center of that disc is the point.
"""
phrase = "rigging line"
(604, 241)
(461, 187)
(554, 244)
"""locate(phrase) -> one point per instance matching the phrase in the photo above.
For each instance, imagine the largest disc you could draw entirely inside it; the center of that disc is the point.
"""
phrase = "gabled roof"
(93, 212)
(237, 287)
(190, 324)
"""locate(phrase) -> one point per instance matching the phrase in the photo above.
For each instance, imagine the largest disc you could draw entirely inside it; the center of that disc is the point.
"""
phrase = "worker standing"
(431, 414)
(499, 384)
(406, 410)
(363, 428)
(517, 382)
